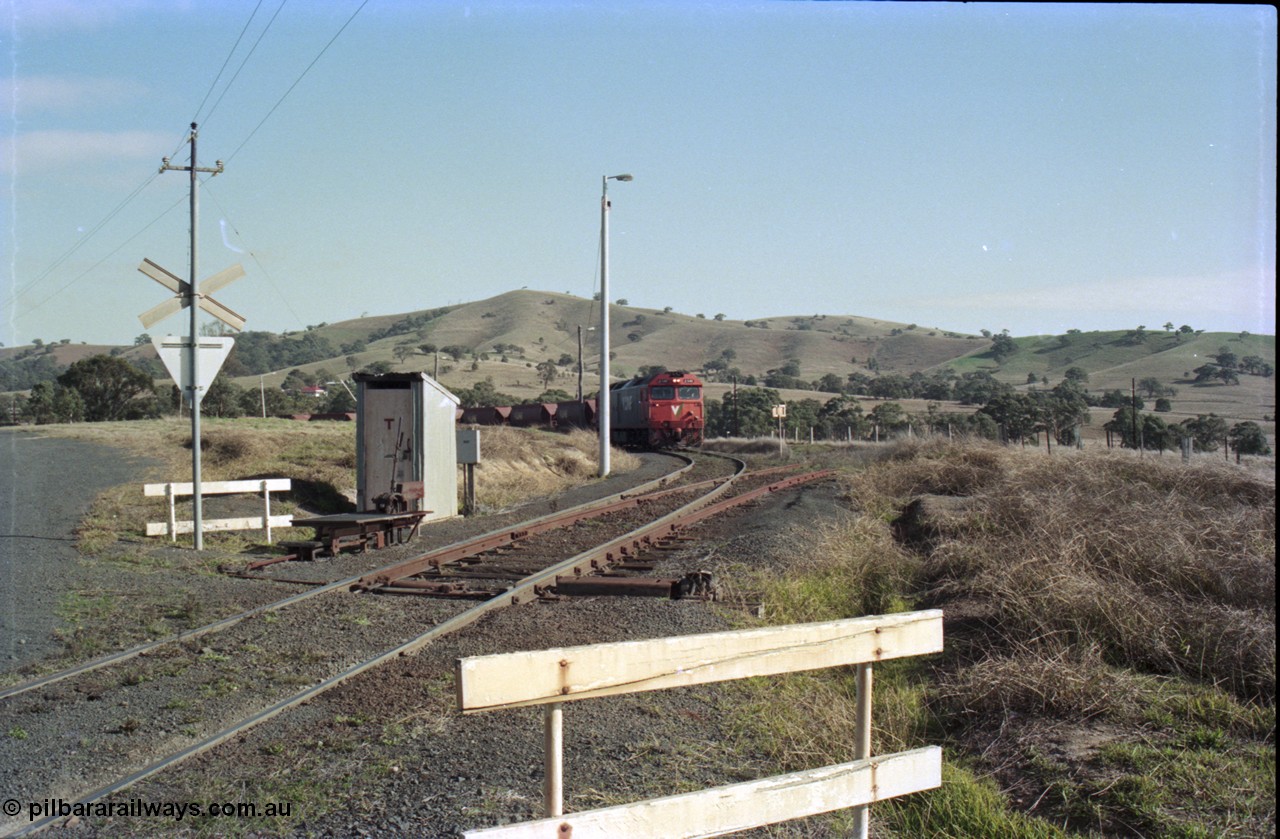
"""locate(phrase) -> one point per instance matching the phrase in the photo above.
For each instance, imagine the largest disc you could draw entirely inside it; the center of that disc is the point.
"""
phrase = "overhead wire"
(116, 250)
(226, 61)
(271, 282)
(245, 60)
(57, 263)
(26, 288)
(299, 79)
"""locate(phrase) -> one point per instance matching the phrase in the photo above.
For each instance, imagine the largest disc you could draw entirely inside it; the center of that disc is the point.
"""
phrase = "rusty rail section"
(317, 589)
(398, 575)
(526, 590)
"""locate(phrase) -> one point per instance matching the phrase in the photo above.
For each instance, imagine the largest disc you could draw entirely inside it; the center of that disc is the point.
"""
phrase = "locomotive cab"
(657, 411)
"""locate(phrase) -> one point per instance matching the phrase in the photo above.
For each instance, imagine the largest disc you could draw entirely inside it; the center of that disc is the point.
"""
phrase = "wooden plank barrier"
(554, 677)
(264, 522)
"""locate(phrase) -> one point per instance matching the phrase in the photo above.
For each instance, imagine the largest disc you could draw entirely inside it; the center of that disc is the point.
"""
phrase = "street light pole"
(602, 399)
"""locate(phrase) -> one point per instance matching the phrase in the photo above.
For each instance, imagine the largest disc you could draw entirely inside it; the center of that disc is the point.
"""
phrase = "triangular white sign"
(175, 352)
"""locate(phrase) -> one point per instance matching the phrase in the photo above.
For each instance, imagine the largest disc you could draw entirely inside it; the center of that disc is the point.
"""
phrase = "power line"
(299, 79)
(254, 257)
(83, 239)
(116, 250)
(227, 61)
(245, 60)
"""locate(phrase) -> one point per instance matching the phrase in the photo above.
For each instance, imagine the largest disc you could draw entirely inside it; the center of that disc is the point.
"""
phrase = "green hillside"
(505, 337)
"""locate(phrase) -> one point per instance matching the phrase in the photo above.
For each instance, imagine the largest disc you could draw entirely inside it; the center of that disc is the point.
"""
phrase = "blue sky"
(965, 166)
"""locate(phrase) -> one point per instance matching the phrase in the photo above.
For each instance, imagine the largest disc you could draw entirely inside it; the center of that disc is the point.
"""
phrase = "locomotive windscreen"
(690, 392)
(662, 393)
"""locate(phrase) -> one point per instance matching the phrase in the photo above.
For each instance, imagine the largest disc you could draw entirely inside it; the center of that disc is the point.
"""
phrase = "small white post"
(266, 501)
(553, 744)
(862, 742)
(173, 514)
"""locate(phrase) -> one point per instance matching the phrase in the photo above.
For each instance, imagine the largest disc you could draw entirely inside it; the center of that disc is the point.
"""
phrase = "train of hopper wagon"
(660, 410)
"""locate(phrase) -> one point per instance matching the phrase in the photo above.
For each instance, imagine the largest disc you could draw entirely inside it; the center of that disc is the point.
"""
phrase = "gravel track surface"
(386, 753)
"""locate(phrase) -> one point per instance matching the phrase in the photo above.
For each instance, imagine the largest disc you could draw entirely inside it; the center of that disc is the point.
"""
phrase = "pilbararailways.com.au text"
(138, 808)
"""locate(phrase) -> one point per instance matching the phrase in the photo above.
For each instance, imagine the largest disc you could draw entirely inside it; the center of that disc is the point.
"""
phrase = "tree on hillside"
(1076, 374)
(547, 372)
(107, 386)
(1003, 346)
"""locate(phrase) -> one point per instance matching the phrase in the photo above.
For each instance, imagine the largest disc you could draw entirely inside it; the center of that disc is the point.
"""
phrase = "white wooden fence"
(553, 677)
(171, 491)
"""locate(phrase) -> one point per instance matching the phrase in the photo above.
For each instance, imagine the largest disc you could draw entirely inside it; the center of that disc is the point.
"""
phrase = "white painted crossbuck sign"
(182, 291)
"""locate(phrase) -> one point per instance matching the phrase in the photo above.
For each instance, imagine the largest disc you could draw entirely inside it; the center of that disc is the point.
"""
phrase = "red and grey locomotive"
(657, 411)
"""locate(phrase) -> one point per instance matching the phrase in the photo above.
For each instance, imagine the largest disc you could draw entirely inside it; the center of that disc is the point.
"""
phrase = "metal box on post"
(406, 453)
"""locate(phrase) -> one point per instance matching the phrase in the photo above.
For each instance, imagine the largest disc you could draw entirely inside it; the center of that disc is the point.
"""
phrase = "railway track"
(201, 675)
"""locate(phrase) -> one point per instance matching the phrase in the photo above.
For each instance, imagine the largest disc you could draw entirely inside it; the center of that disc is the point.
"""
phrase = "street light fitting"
(621, 178)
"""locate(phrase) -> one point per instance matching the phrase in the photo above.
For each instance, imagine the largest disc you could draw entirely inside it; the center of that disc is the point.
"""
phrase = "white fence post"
(553, 758)
(173, 513)
(553, 677)
(173, 527)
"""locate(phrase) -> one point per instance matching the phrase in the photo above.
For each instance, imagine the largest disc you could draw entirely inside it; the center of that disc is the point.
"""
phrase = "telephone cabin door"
(389, 428)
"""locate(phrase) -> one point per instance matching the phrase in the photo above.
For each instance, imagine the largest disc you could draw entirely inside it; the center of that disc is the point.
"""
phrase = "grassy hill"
(511, 333)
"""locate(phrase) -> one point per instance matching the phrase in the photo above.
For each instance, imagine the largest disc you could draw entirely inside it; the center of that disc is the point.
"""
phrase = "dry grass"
(1167, 569)
(520, 464)
(1110, 653)
(768, 446)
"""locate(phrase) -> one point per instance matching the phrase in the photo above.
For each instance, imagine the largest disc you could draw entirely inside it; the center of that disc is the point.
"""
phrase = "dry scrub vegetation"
(1110, 654)
(518, 464)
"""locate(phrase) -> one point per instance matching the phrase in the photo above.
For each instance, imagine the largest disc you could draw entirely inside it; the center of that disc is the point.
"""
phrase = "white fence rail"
(172, 491)
(553, 677)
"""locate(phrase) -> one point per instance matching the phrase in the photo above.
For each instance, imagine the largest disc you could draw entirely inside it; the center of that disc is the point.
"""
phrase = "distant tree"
(1032, 378)
(1247, 438)
(752, 416)
(376, 368)
(1150, 386)
(547, 372)
(1254, 365)
(1207, 430)
(1168, 326)
(830, 383)
(1002, 346)
(1226, 358)
(719, 316)
(1163, 405)
(1016, 413)
(565, 360)
(223, 399)
(1076, 374)
(554, 395)
(106, 385)
(622, 301)
(142, 340)
(52, 403)
(888, 417)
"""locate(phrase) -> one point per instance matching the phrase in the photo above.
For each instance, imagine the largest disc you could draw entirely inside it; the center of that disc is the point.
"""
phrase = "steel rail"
(446, 627)
(322, 588)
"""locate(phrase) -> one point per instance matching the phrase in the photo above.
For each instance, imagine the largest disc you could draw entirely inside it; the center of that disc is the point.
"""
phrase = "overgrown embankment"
(1110, 652)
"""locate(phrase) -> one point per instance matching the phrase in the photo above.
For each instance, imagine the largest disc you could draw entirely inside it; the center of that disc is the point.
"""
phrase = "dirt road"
(46, 485)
